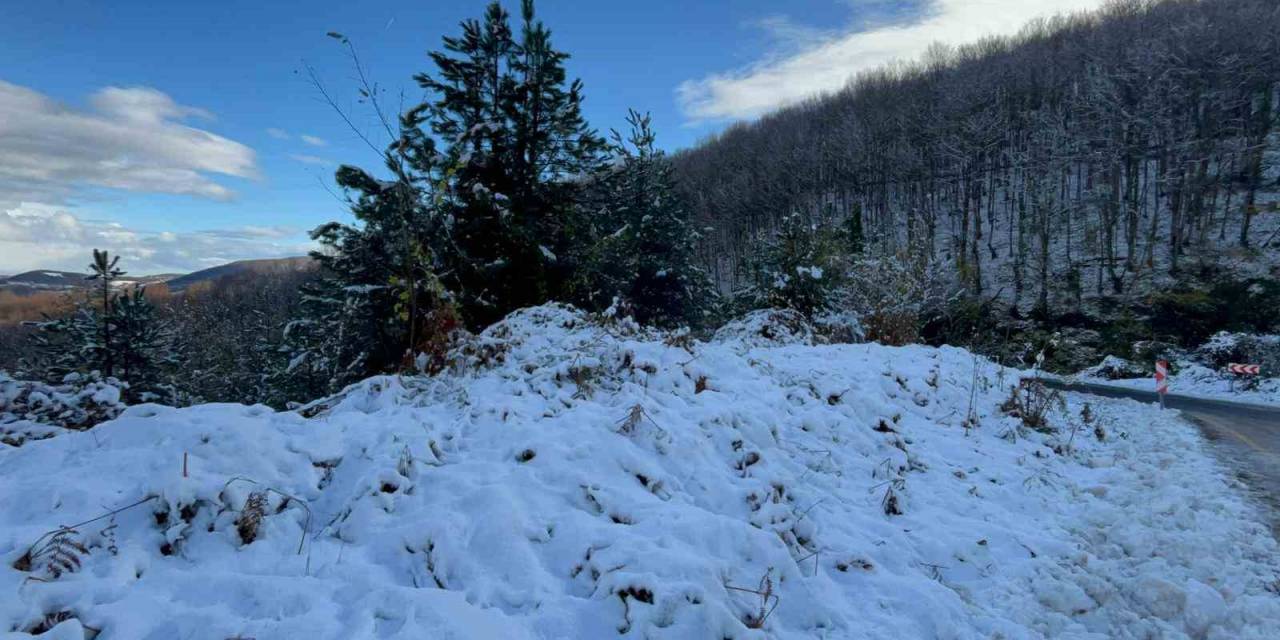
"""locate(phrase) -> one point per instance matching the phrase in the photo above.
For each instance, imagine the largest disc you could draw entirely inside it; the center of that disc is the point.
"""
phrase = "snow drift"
(575, 479)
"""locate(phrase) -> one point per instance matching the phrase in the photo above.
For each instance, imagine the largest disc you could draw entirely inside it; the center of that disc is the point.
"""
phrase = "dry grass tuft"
(768, 601)
(700, 385)
(250, 519)
(59, 552)
(636, 416)
(1031, 402)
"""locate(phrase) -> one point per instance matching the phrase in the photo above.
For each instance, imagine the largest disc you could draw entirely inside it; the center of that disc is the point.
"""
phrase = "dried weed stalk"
(768, 600)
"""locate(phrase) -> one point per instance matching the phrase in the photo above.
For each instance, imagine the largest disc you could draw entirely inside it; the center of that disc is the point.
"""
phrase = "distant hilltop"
(52, 280)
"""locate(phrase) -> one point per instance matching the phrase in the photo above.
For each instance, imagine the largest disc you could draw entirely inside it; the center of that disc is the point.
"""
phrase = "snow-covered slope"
(577, 480)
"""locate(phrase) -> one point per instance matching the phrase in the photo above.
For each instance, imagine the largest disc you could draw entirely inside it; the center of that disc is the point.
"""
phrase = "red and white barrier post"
(1243, 370)
(1162, 380)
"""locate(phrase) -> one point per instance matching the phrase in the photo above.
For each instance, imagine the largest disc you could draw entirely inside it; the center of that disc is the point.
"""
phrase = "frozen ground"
(584, 481)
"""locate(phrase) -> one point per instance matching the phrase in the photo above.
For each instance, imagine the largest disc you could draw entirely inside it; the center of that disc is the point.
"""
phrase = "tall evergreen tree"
(478, 218)
(646, 255)
(516, 144)
(103, 269)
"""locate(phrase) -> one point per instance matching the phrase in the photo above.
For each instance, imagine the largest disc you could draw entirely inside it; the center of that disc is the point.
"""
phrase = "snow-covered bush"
(840, 327)
(1073, 349)
(1224, 348)
(894, 295)
(79, 402)
(769, 328)
(1113, 368)
(794, 269)
(1148, 351)
(1032, 403)
(117, 331)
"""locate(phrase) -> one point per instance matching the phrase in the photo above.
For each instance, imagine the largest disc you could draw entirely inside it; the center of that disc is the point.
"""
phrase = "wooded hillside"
(1091, 155)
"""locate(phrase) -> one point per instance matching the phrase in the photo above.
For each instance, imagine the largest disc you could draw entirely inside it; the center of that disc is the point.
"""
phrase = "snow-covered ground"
(578, 480)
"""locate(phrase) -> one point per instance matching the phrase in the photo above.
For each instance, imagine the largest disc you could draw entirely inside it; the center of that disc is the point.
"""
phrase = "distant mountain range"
(51, 280)
(240, 268)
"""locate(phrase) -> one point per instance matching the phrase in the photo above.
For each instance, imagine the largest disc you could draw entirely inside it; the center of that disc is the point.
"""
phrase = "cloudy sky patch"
(42, 236)
(133, 139)
(811, 60)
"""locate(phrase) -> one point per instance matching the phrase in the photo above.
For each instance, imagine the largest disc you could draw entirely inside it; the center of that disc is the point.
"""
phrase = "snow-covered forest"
(1108, 154)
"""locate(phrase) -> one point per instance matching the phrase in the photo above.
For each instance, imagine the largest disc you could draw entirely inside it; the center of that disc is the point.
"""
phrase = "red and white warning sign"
(1245, 369)
(1162, 377)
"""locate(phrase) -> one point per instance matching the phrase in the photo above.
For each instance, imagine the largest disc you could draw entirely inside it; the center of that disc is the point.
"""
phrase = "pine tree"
(112, 333)
(646, 255)
(104, 270)
(516, 144)
(66, 345)
(83, 341)
(143, 348)
(378, 303)
(855, 240)
(794, 269)
(329, 345)
(261, 364)
(479, 217)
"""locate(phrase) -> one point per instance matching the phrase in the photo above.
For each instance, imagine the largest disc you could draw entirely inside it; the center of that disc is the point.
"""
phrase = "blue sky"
(212, 146)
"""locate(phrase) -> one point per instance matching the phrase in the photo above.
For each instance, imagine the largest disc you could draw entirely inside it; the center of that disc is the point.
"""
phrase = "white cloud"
(308, 159)
(41, 236)
(314, 141)
(131, 139)
(278, 134)
(787, 33)
(818, 61)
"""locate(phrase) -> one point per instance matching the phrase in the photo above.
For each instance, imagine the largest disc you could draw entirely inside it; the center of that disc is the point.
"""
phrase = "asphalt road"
(1245, 436)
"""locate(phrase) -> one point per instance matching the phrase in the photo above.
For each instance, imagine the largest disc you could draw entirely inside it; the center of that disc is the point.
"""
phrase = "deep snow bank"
(572, 480)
